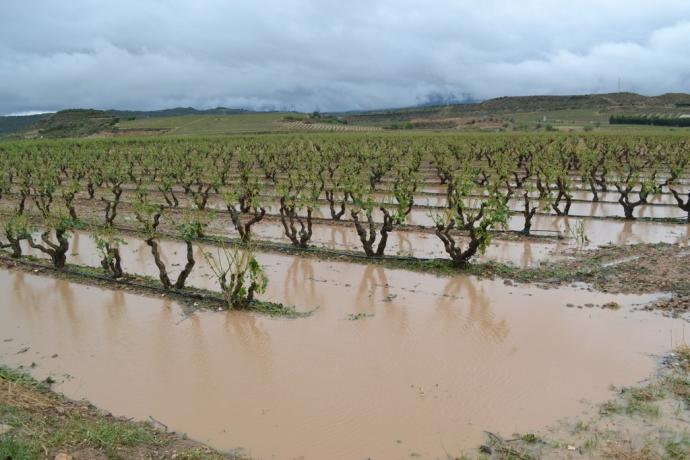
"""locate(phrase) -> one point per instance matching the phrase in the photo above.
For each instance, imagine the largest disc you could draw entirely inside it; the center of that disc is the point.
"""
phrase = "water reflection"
(466, 292)
(527, 256)
(405, 244)
(300, 285)
(456, 355)
(373, 288)
(625, 233)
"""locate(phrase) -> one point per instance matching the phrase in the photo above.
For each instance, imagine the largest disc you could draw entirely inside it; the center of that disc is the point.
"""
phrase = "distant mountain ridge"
(175, 112)
(86, 122)
(606, 100)
(512, 104)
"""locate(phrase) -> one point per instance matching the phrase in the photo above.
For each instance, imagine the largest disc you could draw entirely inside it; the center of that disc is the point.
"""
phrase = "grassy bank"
(36, 422)
(645, 422)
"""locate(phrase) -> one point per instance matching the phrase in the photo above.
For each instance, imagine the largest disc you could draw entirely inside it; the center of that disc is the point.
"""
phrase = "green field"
(210, 124)
(252, 123)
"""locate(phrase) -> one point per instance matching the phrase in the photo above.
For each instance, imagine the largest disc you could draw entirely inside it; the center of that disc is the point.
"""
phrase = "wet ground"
(391, 363)
(283, 270)
(424, 244)
(659, 206)
(429, 364)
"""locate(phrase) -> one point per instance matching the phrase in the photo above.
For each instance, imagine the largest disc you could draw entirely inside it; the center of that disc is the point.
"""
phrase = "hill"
(590, 101)
(72, 123)
(519, 113)
(89, 122)
(176, 112)
(12, 124)
(86, 122)
(511, 105)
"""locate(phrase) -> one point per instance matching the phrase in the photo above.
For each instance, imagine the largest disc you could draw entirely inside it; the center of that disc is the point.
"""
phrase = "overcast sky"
(332, 55)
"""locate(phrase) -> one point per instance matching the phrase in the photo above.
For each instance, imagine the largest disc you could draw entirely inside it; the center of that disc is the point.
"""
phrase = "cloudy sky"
(332, 55)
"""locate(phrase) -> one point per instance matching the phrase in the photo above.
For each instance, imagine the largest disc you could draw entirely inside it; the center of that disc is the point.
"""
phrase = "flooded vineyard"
(433, 362)
(558, 233)
(366, 296)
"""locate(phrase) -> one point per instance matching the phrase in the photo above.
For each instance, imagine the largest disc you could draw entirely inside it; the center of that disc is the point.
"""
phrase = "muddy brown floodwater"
(433, 362)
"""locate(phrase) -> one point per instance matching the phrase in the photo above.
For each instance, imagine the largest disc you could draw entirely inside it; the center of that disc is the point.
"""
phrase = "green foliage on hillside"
(73, 123)
(12, 124)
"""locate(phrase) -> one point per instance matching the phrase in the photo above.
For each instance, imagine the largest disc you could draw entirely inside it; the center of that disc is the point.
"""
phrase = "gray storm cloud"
(332, 55)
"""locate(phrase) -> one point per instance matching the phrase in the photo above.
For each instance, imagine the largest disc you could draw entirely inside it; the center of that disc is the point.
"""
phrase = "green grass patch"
(637, 401)
(679, 385)
(683, 356)
(21, 378)
(678, 447)
(19, 449)
(529, 438)
(644, 409)
(100, 434)
(277, 309)
(45, 423)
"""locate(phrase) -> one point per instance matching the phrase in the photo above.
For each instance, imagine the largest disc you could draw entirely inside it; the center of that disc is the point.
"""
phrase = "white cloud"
(28, 112)
(332, 55)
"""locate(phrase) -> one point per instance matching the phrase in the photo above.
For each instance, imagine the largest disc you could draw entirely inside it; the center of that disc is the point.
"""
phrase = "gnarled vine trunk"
(458, 255)
(368, 235)
(288, 215)
(162, 270)
(56, 252)
(245, 228)
(233, 290)
(628, 205)
(14, 244)
(684, 205)
(335, 215)
(112, 261)
(528, 213)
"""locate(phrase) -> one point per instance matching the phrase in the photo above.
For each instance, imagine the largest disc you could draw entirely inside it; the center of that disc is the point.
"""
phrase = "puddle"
(601, 232)
(420, 244)
(415, 244)
(524, 253)
(136, 255)
(426, 245)
(433, 362)
(420, 215)
(625, 232)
